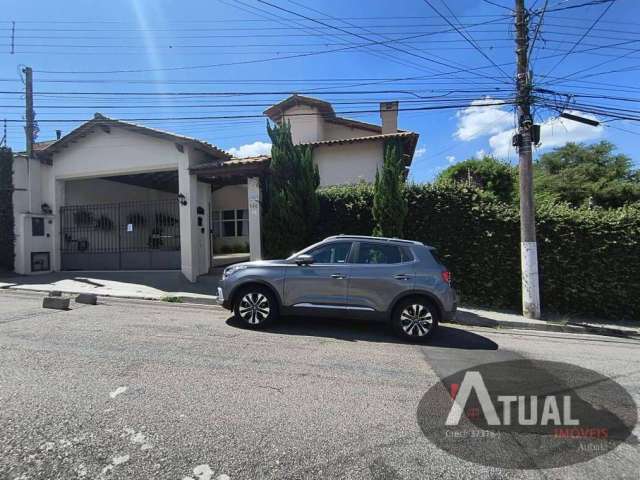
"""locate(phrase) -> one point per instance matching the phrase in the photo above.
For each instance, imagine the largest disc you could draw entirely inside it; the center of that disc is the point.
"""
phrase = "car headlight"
(232, 269)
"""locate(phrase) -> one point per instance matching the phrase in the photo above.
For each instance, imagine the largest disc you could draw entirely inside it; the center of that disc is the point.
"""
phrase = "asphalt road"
(147, 390)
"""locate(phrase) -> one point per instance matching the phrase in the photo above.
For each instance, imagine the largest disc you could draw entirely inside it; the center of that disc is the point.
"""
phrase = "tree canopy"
(591, 175)
(577, 174)
(495, 177)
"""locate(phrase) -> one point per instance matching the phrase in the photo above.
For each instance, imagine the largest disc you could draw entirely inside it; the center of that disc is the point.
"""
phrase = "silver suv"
(388, 279)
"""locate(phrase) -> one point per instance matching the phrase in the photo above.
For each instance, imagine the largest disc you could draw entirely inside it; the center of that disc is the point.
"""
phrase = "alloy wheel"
(254, 308)
(416, 320)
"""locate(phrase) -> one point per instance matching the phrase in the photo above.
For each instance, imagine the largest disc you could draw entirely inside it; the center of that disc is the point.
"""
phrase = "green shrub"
(7, 240)
(589, 259)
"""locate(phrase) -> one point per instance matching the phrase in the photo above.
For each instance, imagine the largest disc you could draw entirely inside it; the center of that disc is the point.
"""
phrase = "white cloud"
(476, 121)
(419, 152)
(480, 154)
(450, 158)
(251, 150)
(554, 132)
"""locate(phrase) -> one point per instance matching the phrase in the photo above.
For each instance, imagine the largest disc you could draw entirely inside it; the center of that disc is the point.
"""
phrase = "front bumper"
(224, 303)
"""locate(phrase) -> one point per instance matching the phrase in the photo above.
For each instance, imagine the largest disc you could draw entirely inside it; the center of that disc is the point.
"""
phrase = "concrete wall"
(348, 163)
(95, 191)
(231, 197)
(334, 131)
(31, 192)
(306, 124)
(73, 179)
(120, 152)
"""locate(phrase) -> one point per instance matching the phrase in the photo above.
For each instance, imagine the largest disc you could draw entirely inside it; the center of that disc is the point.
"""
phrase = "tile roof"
(385, 136)
(234, 162)
(100, 119)
(275, 111)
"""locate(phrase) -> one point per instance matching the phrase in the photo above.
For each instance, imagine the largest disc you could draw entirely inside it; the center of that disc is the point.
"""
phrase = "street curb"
(461, 318)
(544, 327)
(183, 299)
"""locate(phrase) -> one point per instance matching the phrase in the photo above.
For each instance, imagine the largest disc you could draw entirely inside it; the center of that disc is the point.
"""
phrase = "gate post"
(188, 200)
(58, 194)
(255, 203)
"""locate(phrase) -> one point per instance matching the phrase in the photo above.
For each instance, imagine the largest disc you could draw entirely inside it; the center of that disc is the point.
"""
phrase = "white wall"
(306, 124)
(334, 131)
(231, 197)
(73, 179)
(120, 152)
(348, 163)
(95, 191)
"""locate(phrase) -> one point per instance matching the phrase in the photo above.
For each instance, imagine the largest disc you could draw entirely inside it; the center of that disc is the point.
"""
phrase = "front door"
(379, 273)
(322, 284)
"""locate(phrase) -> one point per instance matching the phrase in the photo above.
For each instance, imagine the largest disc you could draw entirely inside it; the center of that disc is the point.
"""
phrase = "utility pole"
(29, 117)
(523, 141)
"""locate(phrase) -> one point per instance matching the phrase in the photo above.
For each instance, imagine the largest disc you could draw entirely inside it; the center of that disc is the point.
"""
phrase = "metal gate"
(121, 236)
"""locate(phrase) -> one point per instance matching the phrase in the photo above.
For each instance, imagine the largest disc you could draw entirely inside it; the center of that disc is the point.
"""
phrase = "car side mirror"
(304, 259)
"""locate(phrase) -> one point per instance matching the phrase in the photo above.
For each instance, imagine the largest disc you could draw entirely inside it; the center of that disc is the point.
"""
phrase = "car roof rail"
(371, 237)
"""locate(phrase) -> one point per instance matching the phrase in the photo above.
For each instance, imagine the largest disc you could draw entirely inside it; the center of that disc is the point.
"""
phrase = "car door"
(321, 285)
(380, 272)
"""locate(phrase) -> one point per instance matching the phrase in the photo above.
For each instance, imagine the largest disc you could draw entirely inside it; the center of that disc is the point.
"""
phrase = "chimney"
(58, 134)
(389, 116)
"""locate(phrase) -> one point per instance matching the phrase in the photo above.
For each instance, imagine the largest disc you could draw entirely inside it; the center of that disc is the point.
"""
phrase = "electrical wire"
(595, 22)
(466, 38)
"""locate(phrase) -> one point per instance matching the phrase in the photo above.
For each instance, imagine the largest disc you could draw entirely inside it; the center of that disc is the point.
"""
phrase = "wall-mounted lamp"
(46, 209)
(182, 199)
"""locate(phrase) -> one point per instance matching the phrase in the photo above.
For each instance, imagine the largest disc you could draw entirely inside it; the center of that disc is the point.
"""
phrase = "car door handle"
(402, 276)
(338, 276)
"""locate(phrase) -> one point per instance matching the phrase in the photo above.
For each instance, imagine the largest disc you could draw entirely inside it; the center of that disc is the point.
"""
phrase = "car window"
(378, 253)
(336, 252)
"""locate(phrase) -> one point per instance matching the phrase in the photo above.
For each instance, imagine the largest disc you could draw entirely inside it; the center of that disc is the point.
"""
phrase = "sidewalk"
(171, 285)
(149, 285)
(489, 318)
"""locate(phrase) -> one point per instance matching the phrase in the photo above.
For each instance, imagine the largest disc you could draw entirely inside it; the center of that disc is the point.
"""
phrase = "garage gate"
(121, 236)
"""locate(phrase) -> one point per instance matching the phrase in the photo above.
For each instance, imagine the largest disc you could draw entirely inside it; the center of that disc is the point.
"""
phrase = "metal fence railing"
(121, 227)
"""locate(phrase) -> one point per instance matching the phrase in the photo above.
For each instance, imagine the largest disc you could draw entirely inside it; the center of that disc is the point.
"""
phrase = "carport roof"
(233, 167)
(51, 147)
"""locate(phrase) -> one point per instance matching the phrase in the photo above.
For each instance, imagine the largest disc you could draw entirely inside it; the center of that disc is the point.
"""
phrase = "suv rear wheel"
(255, 307)
(415, 319)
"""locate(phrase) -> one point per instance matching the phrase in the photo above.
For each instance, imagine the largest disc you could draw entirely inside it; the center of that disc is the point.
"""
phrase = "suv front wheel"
(255, 307)
(415, 319)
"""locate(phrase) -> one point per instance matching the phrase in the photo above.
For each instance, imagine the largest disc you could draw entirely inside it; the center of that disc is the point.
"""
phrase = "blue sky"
(116, 57)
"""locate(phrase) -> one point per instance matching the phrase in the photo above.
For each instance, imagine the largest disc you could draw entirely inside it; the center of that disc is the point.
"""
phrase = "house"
(114, 195)
(345, 150)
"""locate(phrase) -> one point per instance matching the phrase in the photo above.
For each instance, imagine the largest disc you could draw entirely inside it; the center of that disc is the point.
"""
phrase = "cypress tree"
(389, 200)
(291, 202)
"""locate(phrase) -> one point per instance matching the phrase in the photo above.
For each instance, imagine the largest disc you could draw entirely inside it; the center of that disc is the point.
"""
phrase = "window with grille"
(230, 223)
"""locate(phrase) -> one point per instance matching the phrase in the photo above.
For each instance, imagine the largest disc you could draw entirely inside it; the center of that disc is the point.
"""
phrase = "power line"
(537, 32)
(195, 67)
(362, 36)
(602, 14)
(227, 117)
(588, 4)
(467, 39)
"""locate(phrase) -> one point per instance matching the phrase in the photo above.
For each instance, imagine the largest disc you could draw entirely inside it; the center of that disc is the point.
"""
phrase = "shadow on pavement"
(368, 331)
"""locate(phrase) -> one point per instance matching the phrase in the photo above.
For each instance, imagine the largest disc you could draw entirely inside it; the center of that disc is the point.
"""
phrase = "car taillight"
(446, 276)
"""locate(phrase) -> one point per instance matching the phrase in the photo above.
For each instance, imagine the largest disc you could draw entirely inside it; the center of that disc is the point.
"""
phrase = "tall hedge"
(589, 259)
(6, 209)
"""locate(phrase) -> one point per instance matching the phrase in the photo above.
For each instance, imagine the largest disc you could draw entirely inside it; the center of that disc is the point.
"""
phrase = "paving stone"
(58, 303)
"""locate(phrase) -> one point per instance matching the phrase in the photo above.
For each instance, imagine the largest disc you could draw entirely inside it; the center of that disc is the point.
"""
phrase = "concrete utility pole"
(30, 121)
(523, 140)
